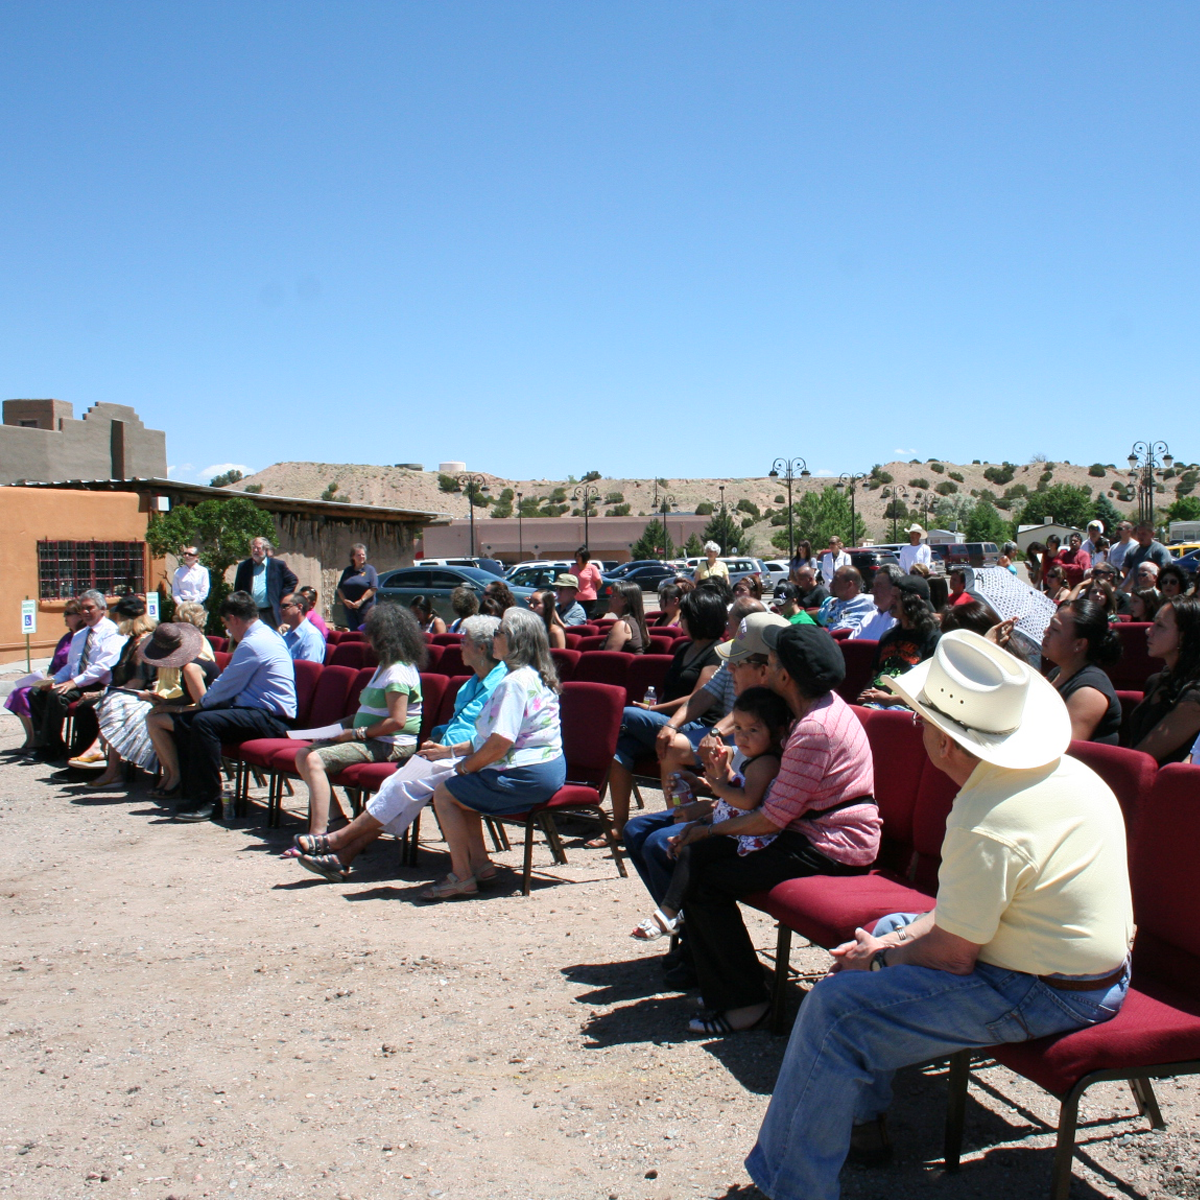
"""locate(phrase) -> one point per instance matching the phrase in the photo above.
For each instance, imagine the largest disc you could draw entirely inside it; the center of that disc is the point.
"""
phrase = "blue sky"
(645, 238)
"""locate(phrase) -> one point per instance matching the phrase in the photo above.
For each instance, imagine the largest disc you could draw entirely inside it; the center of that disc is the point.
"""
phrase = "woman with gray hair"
(516, 757)
(405, 793)
(357, 587)
(711, 565)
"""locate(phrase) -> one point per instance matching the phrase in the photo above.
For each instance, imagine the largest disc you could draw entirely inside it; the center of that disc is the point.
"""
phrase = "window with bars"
(66, 569)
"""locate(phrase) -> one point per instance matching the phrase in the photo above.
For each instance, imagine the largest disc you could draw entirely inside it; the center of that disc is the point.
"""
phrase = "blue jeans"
(645, 839)
(856, 1028)
(639, 729)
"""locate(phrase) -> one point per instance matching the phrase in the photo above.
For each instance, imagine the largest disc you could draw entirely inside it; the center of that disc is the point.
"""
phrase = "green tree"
(253, 489)
(1186, 508)
(726, 532)
(503, 505)
(1066, 503)
(222, 528)
(619, 510)
(1097, 470)
(820, 516)
(1000, 475)
(704, 509)
(229, 477)
(330, 494)
(447, 483)
(655, 542)
(693, 547)
(920, 482)
(936, 467)
(985, 524)
(1105, 510)
(748, 506)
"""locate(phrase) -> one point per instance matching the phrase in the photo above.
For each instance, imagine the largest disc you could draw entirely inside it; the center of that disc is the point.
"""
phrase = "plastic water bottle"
(228, 808)
(651, 697)
(680, 791)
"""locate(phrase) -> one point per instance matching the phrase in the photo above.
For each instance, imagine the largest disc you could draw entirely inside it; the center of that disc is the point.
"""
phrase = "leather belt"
(1084, 985)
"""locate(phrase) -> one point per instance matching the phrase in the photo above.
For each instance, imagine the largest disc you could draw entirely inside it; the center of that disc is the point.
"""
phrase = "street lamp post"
(724, 525)
(472, 484)
(850, 479)
(1144, 460)
(664, 510)
(787, 467)
(520, 527)
(587, 494)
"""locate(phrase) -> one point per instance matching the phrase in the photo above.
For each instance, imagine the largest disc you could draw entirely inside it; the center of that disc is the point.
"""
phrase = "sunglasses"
(190, 554)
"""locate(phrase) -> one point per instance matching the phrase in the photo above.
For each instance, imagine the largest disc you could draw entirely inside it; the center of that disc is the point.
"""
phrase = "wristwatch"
(879, 959)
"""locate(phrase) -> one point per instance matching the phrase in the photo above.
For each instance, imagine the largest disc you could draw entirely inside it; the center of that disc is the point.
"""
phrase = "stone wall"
(110, 442)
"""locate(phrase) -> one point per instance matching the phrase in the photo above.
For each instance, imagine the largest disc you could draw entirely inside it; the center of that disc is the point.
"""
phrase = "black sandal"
(328, 866)
(312, 844)
(159, 793)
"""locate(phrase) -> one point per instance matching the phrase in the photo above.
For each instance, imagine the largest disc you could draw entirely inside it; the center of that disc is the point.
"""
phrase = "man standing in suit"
(267, 579)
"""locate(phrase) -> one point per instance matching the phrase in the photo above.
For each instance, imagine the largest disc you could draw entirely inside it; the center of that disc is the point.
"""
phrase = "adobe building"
(40, 439)
(61, 538)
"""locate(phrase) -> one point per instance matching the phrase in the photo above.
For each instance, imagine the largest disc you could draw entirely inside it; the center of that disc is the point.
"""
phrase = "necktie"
(86, 652)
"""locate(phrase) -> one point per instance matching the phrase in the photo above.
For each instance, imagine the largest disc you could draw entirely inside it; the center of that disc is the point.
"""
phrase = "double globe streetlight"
(1144, 460)
(789, 469)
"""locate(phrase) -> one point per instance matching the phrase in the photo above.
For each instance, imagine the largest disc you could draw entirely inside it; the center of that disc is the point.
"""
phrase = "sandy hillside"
(419, 489)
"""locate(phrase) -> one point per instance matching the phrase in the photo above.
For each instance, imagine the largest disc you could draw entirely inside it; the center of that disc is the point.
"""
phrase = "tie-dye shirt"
(524, 710)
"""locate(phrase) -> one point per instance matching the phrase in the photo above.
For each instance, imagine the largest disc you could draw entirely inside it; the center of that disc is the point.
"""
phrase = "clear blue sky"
(645, 238)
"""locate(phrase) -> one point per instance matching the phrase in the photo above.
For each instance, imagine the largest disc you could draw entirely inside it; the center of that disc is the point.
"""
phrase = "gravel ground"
(185, 1015)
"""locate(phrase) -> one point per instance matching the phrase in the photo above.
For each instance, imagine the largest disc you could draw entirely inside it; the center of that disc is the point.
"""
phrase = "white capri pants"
(407, 791)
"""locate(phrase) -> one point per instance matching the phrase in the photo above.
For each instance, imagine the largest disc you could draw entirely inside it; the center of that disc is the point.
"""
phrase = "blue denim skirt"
(499, 793)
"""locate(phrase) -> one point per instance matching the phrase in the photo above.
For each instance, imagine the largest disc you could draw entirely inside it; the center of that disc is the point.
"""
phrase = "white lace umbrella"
(1010, 597)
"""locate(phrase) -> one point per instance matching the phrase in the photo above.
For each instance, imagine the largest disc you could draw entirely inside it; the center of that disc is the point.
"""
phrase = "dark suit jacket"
(280, 581)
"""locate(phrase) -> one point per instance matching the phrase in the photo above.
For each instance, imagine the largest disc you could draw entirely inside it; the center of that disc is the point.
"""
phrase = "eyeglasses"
(190, 554)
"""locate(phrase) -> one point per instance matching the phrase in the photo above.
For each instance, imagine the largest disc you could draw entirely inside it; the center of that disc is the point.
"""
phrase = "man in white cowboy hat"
(917, 550)
(1029, 937)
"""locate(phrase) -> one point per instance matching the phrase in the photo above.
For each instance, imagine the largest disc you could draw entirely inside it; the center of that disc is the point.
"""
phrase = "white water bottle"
(651, 697)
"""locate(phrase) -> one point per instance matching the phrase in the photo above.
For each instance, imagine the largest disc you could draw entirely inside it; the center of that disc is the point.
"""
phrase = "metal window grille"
(66, 569)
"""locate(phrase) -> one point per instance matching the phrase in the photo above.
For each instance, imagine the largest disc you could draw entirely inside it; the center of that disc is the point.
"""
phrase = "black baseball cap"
(809, 655)
(913, 583)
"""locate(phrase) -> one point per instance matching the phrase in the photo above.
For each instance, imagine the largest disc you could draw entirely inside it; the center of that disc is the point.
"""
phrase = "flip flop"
(716, 1024)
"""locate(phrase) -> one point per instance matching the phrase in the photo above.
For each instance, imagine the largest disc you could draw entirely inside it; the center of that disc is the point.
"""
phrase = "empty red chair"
(349, 654)
(604, 666)
(1157, 1032)
(592, 643)
(589, 629)
(1129, 773)
(573, 640)
(333, 637)
(859, 654)
(667, 631)
(451, 662)
(565, 661)
(646, 671)
(433, 655)
(353, 635)
(659, 644)
(1135, 666)
(591, 720)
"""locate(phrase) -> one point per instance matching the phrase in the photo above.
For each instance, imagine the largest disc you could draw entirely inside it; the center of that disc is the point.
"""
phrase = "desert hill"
(405, 488)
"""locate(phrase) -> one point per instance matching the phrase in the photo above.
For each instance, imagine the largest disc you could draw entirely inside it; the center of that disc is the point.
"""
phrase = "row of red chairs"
(1157, 1032)
(591, 721)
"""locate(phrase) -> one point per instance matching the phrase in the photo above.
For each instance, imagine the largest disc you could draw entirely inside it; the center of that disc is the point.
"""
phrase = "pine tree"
(655, 542)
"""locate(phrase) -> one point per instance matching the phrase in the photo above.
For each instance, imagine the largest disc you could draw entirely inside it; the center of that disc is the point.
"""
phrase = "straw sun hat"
(989, 702)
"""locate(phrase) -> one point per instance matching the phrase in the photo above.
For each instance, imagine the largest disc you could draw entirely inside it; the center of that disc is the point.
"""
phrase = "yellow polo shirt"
(1034, 870)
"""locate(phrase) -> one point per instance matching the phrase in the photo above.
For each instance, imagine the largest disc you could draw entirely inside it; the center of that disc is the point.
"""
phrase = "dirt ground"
(186, 1015)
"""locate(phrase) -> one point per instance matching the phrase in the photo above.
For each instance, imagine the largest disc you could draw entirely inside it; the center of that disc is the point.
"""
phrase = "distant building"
(41, 440)
(1026, 534)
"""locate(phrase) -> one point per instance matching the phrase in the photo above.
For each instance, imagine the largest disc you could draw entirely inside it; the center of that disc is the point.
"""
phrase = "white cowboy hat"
(988, 701)
(915, 528)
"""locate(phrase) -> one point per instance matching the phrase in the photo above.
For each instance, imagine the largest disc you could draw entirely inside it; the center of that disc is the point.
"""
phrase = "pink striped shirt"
(828, 760)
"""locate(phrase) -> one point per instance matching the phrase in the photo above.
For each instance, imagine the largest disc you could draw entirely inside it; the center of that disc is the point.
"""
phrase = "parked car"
(970, 554)
(868, 559)
(646, 573)
(1179, 549)
(775, 573)
(490, 565)
(1189, 562)
(438, 583)
(537, 574)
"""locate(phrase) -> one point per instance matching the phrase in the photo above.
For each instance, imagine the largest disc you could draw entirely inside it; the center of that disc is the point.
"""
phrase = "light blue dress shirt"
(260, 675)
(468, 704)
(305, 641)
(258, 584)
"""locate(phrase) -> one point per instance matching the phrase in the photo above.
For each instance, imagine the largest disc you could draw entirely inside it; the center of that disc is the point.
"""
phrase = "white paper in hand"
(316, 735)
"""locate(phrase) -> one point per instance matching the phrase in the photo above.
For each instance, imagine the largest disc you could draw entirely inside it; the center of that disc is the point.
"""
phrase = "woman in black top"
(357, 587)
(1166, 722)
(1080, 642)
(910, 641)
(702, 616)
